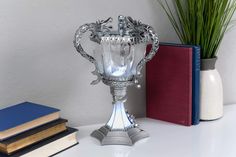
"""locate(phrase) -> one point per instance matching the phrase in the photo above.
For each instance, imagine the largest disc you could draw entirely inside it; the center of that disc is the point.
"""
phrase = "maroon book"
(169, 85)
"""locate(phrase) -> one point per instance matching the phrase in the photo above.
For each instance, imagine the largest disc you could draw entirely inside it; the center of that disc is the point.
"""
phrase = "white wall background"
(38, 62)
(227, 64)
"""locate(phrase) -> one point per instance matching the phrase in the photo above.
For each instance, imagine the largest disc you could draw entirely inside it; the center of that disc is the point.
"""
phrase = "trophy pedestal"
(110, 137)
(121, 128)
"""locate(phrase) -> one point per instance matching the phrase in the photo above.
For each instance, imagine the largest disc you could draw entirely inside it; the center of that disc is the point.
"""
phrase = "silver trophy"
(119, 57)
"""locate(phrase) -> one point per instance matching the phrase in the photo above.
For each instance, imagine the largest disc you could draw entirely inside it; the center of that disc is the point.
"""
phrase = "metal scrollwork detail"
(142, 33)
(136, 30)
(97, 29)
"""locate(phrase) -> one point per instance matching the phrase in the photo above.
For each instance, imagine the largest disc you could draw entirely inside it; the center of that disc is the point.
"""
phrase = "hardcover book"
(25, 116)
(196, 86)
(169, 85)
(32, 136)
(195, 80)
(50, 146)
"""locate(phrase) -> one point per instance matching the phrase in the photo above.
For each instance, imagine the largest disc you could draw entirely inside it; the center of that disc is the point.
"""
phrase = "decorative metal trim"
(140, 33)
(121, 128)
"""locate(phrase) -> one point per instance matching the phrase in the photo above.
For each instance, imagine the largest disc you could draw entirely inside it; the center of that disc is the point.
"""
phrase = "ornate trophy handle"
(77, 38)
(141, 33)
(97, 29)
(155, 46)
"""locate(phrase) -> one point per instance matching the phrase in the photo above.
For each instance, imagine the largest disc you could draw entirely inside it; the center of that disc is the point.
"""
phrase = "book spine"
(196, 86)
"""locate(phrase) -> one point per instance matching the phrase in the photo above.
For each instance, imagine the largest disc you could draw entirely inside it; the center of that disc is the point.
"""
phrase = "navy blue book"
(25, 116)
(195, 81)
(196, 86)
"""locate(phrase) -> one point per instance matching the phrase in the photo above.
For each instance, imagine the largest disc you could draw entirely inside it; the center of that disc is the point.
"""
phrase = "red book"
(169, 85)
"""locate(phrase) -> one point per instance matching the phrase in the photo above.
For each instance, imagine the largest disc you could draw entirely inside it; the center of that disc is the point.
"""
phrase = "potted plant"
(204, 23)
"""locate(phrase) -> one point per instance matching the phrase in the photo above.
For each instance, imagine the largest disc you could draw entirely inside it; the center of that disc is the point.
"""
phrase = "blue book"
(22, 117)
(196, 86)
(195, 81)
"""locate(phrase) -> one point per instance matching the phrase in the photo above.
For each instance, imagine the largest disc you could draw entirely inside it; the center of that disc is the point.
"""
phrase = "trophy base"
(129, 137)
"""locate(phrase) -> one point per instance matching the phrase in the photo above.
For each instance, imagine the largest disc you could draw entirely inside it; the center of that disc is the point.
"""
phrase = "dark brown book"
(50, 146)
(32, 136)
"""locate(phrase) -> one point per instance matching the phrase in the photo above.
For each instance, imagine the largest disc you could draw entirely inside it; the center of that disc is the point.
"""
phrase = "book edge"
(29, 125)
(36, 146)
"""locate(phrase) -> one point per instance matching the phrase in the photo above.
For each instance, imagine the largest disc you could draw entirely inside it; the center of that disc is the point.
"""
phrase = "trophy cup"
(118, 59)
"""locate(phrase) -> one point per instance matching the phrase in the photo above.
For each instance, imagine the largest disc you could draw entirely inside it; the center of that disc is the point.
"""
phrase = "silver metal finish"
(128, 137)
(118, 63)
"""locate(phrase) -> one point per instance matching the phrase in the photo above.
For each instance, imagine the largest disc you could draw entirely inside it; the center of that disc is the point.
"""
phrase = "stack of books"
(33, 130)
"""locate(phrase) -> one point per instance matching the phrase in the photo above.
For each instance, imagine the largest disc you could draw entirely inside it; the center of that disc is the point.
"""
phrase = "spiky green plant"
(200, 22)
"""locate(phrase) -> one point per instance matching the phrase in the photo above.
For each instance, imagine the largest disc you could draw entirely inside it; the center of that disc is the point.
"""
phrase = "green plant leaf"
(201, 22)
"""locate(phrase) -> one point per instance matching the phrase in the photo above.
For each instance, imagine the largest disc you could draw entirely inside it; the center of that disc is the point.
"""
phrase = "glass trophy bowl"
(118, 59)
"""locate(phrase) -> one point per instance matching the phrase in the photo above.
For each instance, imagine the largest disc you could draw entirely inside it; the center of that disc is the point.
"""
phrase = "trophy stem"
(119, 119)
(120, 128)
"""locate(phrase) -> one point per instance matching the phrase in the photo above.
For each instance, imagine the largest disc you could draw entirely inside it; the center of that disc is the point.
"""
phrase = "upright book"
(169, 85)
(196, 86)
(195, 80)
(25, 116)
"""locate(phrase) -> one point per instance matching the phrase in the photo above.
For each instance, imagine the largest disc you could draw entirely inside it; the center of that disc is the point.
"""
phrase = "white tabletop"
(208, 139)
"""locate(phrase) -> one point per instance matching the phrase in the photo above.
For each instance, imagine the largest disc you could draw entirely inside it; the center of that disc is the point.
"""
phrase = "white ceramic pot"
(211, 96)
